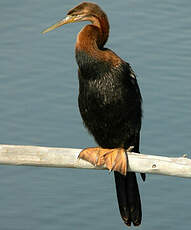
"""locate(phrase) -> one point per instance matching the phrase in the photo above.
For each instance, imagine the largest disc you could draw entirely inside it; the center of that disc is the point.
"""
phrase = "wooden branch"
(67, 158)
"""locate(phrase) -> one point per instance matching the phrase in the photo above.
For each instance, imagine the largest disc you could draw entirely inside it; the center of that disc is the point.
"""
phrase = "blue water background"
(38, 106)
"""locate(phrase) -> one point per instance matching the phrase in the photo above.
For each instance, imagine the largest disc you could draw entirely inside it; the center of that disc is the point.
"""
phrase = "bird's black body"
(110, 106)
(109, 102)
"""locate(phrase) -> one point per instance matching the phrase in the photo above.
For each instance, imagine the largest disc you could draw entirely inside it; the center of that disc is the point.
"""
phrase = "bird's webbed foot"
(114, 159)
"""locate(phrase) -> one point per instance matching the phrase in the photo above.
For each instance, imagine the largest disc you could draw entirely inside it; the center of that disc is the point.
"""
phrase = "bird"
(110, 104)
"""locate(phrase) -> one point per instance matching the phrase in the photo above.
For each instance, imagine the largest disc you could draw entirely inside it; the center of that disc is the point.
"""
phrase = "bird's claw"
(113, 159)
(130, 149)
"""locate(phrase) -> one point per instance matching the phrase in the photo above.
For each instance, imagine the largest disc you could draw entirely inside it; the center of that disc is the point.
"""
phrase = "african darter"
(110, 104)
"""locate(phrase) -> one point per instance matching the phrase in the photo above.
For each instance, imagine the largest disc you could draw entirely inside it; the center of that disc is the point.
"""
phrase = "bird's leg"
(114, 159)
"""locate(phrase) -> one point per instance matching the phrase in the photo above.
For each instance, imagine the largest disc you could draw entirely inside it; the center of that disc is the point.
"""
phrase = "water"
(38, 104)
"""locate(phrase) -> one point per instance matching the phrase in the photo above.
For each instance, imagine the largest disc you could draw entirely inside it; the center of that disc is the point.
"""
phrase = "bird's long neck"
(95, 35)
(89, 46)
(104, 30)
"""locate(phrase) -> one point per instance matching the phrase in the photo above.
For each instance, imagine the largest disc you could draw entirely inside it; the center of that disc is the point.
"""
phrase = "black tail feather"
(128, 198)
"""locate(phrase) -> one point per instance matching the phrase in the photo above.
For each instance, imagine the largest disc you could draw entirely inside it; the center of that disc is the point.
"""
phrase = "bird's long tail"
(128, 198)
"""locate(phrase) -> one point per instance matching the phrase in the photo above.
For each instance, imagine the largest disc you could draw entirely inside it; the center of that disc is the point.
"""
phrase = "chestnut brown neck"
(104, 28)
(95, 35)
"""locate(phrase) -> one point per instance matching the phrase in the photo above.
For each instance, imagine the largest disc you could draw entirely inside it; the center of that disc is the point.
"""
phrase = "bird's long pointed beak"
(68, 19)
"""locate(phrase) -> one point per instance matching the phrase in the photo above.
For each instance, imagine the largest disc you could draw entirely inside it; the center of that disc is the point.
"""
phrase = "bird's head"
(85, 11)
